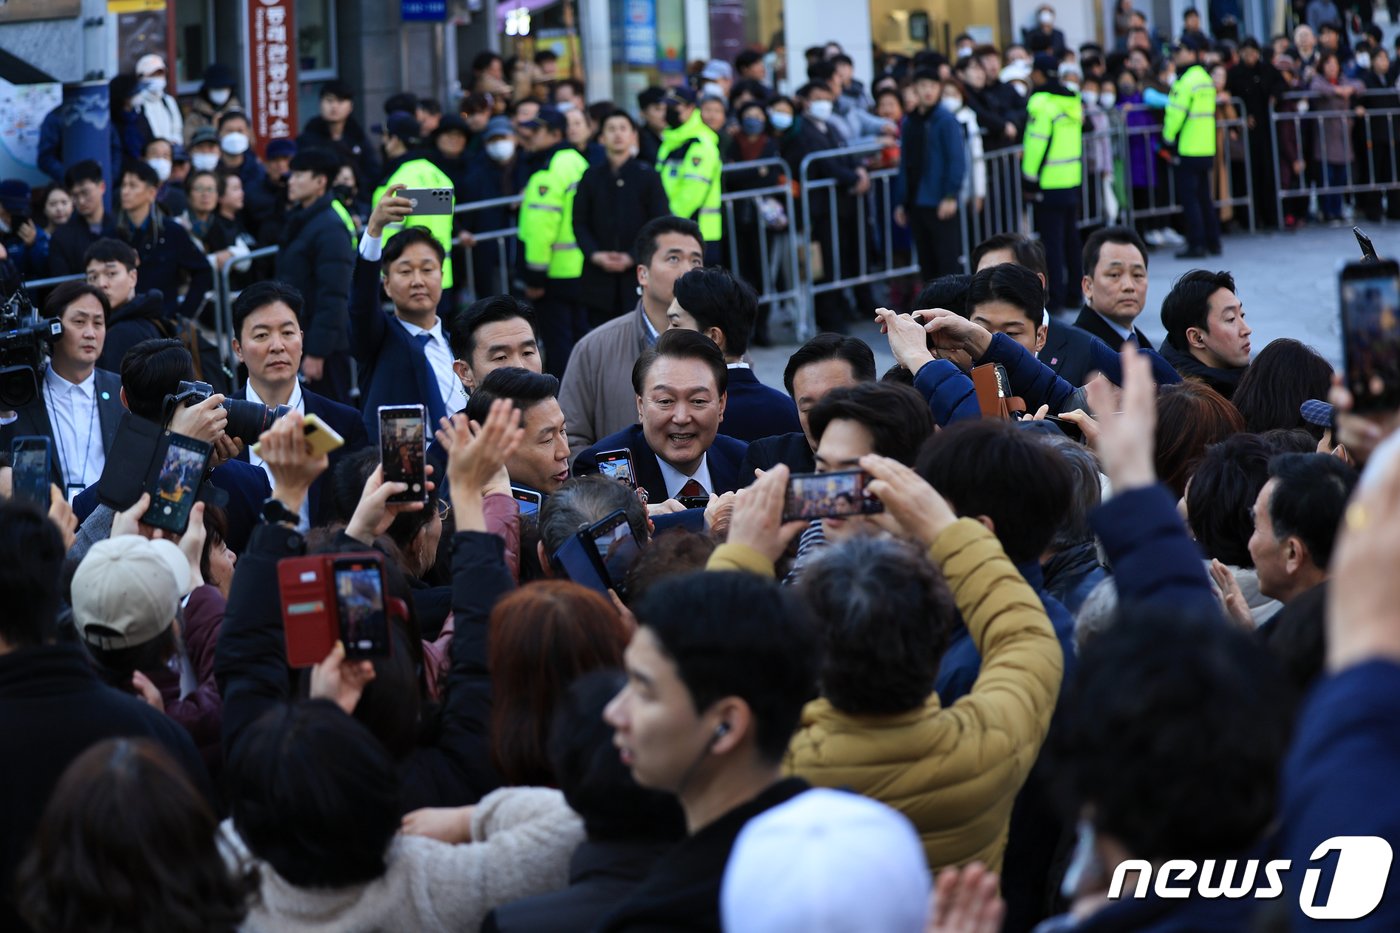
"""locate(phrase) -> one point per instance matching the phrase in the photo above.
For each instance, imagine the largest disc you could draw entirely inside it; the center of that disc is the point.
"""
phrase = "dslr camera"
(23, 336)
(246, 420)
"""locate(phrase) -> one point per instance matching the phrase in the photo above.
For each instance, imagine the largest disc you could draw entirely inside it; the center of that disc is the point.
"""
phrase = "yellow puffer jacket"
(953, 772)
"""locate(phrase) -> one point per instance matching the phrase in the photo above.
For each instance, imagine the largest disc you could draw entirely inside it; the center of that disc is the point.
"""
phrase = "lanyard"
(58, 436)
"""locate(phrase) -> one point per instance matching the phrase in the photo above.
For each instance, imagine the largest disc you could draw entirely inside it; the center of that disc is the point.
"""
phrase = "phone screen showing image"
(1370, 304)
(616, 546)
(177, 484)
(528, 500)
(829, 495)
(29, 459)
(359, 600)
(617, 464)
(401, 450)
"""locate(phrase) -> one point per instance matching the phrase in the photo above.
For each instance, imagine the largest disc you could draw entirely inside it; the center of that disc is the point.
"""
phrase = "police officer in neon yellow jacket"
(1188, 130)
(553, 260)
(411, 167)
(1052, 170)
(690, 165)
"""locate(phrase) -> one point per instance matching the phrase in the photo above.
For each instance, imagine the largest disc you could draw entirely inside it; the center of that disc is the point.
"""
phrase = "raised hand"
(1126, 439)
(391, 209)
(287, 455)
(908, 342)
(341, 681)
(913, 508)
(757, 520)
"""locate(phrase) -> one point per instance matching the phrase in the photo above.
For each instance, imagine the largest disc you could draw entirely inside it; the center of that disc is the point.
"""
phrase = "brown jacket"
(596, 394)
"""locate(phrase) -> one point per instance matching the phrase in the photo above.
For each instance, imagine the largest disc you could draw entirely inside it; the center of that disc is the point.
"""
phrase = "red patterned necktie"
(691, 488)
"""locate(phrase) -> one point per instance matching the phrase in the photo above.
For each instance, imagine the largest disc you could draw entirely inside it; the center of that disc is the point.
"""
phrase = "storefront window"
(648, 46)
(194, 36)
(316, 39)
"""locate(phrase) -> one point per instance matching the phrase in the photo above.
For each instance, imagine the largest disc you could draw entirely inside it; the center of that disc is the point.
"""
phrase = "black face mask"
(345, 194)
(673, 117)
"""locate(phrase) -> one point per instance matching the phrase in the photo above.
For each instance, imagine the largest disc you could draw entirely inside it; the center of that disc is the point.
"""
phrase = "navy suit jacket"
(344, 421)
(1069, 352)
(1090, 322)
(33, 419)
(393, 369)
(791, 449)
(724, 459)
(754, 410)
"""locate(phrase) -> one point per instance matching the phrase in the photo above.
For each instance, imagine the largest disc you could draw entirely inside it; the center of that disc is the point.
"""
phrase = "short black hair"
(819, 73)
(741, 636)
(831, 346)
(110, 249)
(1012, 284)
(897, 417)
(948, 292)
(991, 468)
(31, 571)
(430, 105)
(658, 227)
(1024, 251)
(231, 115)
(524, 388)
(595, 782)
(483, 60)
(79, 172)
(315, 795)
(1187, 305)
(317, 161)
(1280, 378)
(337, 88)
(1220, 497)
(65, 293)
(1309, 499)
(715, 298)
(150, 371)
(885, 614)
(143, 172)
(546, 55)
(463, 324)
(408, 236)
(1130, 749)
(841, 58)
(584, 500)
(805, 91)
(682, 344)
(260, 295)
(747, 58)
(1122, 236)
(616, 114)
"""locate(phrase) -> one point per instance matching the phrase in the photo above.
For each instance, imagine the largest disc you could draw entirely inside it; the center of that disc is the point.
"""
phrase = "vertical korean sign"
(272, 71)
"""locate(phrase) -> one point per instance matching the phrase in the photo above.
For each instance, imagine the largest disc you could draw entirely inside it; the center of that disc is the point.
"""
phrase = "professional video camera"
(22, 337)
(246, 420)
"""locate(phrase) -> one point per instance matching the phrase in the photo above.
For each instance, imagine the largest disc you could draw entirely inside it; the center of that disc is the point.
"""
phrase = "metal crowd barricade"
(223, 306)
(32, 284)
(881, 182)
(779, 276)
(1139, 143)
(505, 238)
(1003, 208)
(1376, 131)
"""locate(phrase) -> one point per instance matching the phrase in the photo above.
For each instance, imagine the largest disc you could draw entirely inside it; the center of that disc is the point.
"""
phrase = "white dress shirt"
(676, 480)
(77, 427)
(437, 350)
(297, 401)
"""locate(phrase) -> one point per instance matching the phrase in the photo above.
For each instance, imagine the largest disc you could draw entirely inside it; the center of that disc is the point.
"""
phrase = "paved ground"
(1287, 282)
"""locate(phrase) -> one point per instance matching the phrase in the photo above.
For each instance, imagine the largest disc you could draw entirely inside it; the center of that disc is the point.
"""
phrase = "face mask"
(1046, 18)
(1089, 98)
(711, 89)
(1072, 86)
(1020, 88)
(781, 120)
(564, 106)
(1107, 99)
(965, 51)
(753, 126)
(501, 150)
(951, 104)
(1302, 106)
(234, 143)
(219, 96)
(1363, 60)
(820, 110)
(204, 161)
(162, 167)
(343, 193)
(673, 117)
(153, 87)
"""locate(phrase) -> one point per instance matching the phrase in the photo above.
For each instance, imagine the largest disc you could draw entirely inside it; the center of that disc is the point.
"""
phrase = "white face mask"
(234, 143)
(1089, 98)
(711, 89)
(219, 96)
(1046, 18)
(564, 106)
(1363, 60)
(204, 161)
(1021, 89)
(950, 103)
(965, 51)
(153, 87)
(500, 150)
(1072, 85)
(162, 167)
(781, 120)
(820, 110)
(1107, 99)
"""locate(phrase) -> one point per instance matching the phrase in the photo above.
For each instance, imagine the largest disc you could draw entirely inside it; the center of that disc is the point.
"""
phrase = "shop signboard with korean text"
(272, 70)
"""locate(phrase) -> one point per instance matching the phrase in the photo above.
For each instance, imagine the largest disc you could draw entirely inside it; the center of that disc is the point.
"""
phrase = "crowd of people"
(1058, 635)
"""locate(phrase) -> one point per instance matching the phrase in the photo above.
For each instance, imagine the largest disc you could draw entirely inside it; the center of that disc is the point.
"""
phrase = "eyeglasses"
(444, 509)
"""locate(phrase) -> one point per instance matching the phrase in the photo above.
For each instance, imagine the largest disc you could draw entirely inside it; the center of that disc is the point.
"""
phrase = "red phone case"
(308, 608)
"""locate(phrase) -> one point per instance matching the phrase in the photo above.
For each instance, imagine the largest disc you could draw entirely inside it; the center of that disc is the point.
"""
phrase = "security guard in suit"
(553, 260)
(1188, 132)
(1052, 170)
(690, 165)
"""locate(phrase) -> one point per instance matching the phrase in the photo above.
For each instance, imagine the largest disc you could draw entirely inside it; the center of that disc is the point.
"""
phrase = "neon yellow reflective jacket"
(1190, 119)
(547, 217)
(690, 165)
(1054, 153)
(345, 218)
(421, 173)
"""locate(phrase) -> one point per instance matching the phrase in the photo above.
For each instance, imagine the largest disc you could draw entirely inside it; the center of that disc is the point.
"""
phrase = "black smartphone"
(402, 447)
(1071, 430)
(1370, 305)
(617, 464)
(359, 603)
(530, 500)
(694, 502)
(616, 546)
(1368, 249)
(829, 495)
(578, 560)
(176, 486)
(429, 202)
(30, 461)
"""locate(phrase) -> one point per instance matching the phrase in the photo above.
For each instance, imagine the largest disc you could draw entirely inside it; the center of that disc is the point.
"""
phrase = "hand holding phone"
(402, 450)
(330, 597)
(842, 494)
(30, 461)
(428, 202)
(321, 437)
(1370, 308)
(177, 485)
(617, 464)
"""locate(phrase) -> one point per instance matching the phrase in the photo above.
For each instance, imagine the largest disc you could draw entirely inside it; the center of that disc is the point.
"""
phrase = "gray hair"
(584, 500)
(1097, 614)
(1087, 491)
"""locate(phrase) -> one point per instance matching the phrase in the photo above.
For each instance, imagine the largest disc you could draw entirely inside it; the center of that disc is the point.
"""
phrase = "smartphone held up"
(402, 448)
(1370, 308)
(811, 496)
